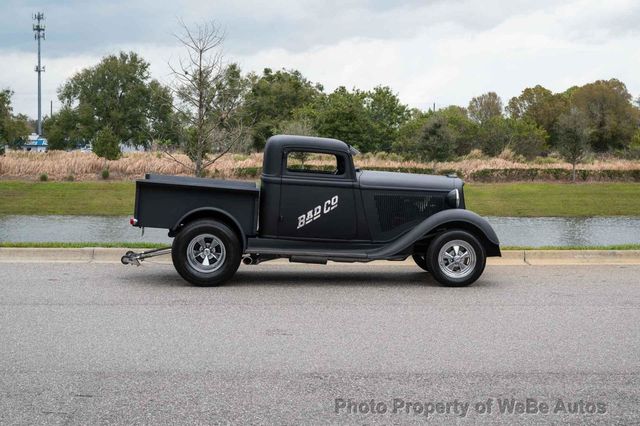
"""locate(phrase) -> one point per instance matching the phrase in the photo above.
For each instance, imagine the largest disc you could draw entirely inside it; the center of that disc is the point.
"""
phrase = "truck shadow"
(248, 277)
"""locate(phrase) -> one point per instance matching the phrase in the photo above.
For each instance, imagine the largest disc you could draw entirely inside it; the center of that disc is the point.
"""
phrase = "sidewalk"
(509, 257)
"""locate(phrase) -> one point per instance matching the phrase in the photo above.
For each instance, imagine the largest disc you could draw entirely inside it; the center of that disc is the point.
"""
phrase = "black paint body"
(349, 215)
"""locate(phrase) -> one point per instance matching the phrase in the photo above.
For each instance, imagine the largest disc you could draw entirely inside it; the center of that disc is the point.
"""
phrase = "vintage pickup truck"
(314, 206)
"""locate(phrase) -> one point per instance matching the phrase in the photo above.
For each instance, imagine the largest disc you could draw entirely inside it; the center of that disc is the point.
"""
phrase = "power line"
(38, 29)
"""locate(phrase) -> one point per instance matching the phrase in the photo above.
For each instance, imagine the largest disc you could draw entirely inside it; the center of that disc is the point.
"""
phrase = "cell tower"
(38, 29)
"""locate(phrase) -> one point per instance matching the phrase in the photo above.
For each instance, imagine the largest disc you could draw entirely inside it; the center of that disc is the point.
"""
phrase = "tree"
(61, 130)
(436, 140)
(523, 137)
(13, 128)
(573, 137)
(387, 115)
(485, 107)
(274, 97)
(106, 144)
(540, 106)
(466, 130)
(609, 113)
(209, 97)
(341, 115)
(117, 93)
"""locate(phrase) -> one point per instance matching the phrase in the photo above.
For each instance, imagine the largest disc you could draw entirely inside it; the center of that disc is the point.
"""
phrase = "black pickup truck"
(313, 206)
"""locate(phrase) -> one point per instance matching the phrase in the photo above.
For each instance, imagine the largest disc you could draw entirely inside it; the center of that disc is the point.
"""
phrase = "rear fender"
(210, 213)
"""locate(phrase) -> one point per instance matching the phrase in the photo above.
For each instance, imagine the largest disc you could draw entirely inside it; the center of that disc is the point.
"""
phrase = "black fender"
(213, 213)
(451, 218)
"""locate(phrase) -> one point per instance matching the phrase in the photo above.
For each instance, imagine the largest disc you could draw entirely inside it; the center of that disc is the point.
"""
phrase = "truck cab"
(313, 206)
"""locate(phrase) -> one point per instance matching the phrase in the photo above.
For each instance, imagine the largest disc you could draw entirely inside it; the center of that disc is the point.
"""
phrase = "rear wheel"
(421, 260)
(456, 258)
(206, 253)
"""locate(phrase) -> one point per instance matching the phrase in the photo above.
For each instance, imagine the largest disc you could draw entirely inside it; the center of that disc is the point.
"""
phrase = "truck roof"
(278, 143)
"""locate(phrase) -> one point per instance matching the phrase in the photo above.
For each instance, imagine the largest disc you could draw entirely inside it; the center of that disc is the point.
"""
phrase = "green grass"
(500, 199)
(69, 198)
(554, 199)
(81, 245)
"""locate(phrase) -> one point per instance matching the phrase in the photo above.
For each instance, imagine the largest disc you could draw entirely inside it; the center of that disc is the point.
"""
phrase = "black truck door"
(317, 198)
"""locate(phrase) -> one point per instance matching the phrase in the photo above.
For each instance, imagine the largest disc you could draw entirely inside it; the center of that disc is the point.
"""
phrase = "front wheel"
(206, 253)
(456, 258)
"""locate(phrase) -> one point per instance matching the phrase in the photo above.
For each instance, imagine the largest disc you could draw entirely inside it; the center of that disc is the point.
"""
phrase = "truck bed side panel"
(161, 204)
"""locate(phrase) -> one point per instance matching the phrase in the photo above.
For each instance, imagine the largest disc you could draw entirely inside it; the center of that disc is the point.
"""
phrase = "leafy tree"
(164, 123)
(485, 107)
(13, 128)
(106, 144)
(540, 106)
(341, 115)
(466, 130)
(387, 115)
(609, 113)
(116, 93)
(274, 97)
(61, 130)
(210, 97)
(573, 137)
(410, 130)
(435, 141)
(523, 137)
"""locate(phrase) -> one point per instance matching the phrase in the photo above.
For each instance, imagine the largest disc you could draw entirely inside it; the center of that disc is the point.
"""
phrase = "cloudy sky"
(428, 51)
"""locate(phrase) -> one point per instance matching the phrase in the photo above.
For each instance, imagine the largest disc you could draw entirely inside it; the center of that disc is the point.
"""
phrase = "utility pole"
(38, 29)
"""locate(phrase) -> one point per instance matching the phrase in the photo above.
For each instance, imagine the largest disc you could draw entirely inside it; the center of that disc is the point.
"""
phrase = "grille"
(397, 210)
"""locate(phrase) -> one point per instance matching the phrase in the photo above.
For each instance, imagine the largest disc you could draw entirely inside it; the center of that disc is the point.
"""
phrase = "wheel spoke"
(205, 261)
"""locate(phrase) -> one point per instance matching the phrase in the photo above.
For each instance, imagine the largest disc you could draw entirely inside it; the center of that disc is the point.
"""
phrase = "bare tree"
(209, 95)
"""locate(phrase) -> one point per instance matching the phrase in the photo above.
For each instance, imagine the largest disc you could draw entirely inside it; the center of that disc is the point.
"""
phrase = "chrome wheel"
(206, 253)
(457, 259)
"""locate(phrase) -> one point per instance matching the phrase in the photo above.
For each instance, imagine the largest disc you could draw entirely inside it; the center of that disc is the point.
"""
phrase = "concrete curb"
(509, 257)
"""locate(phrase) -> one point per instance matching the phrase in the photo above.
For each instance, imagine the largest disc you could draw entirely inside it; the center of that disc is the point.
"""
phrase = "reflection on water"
(520, 231)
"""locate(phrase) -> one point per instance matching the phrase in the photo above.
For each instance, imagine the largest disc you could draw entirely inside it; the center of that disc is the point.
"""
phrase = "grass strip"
(496, 199)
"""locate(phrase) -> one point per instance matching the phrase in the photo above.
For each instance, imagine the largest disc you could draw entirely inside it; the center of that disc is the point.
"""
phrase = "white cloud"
(443, 52)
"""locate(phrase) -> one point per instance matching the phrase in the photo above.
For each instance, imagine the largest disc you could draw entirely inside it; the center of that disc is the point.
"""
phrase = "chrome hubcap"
(457, 259)
(206, 253)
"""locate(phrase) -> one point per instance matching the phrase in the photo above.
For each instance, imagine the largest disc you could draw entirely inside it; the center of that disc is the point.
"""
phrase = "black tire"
(445, 273)
(421, 260)
(222, 244)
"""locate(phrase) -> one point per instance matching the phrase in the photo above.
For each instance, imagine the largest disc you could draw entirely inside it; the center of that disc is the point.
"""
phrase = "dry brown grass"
(87, 166)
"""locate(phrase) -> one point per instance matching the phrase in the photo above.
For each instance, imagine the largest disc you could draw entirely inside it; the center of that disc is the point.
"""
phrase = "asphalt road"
(105, 343)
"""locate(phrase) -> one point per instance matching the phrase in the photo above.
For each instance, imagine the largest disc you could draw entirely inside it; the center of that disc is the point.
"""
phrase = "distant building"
(35, 143)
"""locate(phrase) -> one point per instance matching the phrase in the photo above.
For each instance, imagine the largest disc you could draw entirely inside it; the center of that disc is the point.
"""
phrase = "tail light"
(133, 221)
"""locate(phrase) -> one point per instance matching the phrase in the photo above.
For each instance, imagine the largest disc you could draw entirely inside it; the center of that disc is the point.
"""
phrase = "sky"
(429, 51)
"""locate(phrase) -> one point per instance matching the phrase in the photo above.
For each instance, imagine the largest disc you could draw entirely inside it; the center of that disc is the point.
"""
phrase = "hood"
(397, 181)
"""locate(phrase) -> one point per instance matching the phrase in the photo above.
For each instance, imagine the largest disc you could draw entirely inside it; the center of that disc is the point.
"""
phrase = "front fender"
(451, 218)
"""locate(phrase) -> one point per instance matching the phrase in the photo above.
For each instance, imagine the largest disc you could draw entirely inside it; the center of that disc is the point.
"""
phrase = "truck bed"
(163, 201)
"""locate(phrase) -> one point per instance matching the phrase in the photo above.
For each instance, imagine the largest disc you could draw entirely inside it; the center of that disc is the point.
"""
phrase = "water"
(512, 231)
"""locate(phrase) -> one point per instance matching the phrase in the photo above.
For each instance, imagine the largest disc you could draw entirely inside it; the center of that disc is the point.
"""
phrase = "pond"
(512, 231)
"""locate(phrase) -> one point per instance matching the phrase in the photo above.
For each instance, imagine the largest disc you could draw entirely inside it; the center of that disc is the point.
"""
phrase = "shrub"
(69, 178)
(44, 177)
(105, 174)
(475, 154)
(106, 144)
(1, 149)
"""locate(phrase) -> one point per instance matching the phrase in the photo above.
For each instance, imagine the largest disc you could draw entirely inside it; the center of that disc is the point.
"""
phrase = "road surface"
(104, 343)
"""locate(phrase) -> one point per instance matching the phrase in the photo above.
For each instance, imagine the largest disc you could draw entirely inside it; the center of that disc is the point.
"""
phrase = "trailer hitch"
(133, 258)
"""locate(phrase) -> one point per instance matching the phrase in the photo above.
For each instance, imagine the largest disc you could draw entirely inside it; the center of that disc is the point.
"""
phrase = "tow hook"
(133, 258)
